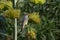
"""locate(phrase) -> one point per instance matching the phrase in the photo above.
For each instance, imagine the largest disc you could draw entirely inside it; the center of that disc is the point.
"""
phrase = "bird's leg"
(22, 28)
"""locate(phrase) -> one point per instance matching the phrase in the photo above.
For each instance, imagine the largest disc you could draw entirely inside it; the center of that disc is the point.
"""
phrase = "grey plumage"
(24, 21)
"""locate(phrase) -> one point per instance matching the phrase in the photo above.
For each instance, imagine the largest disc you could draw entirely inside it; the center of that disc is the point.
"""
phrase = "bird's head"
(25, 13)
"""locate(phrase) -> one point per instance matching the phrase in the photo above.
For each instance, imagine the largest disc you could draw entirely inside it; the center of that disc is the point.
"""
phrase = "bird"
(24, 21)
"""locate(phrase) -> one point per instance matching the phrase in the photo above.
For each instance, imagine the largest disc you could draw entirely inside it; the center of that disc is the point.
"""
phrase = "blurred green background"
(44, 19)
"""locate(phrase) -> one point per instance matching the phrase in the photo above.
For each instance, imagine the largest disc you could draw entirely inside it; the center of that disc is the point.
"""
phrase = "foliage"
(47, 15)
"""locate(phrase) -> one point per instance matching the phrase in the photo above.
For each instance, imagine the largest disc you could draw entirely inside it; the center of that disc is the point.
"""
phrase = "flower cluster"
(12, 13)
(32, 33)
(38, 1)
(9, 3)
(35, 17)
(1, 6)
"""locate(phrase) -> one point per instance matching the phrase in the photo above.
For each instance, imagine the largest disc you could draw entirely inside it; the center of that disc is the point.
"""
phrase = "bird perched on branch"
(24, 21)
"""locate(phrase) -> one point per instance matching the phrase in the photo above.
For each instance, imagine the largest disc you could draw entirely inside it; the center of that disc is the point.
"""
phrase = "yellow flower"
(9, 3)
(32, 33)
(35, 17)
(42, 1)
(1, 6)
(32, 1)
(38, 1)
(12, 13)
(16, 13)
